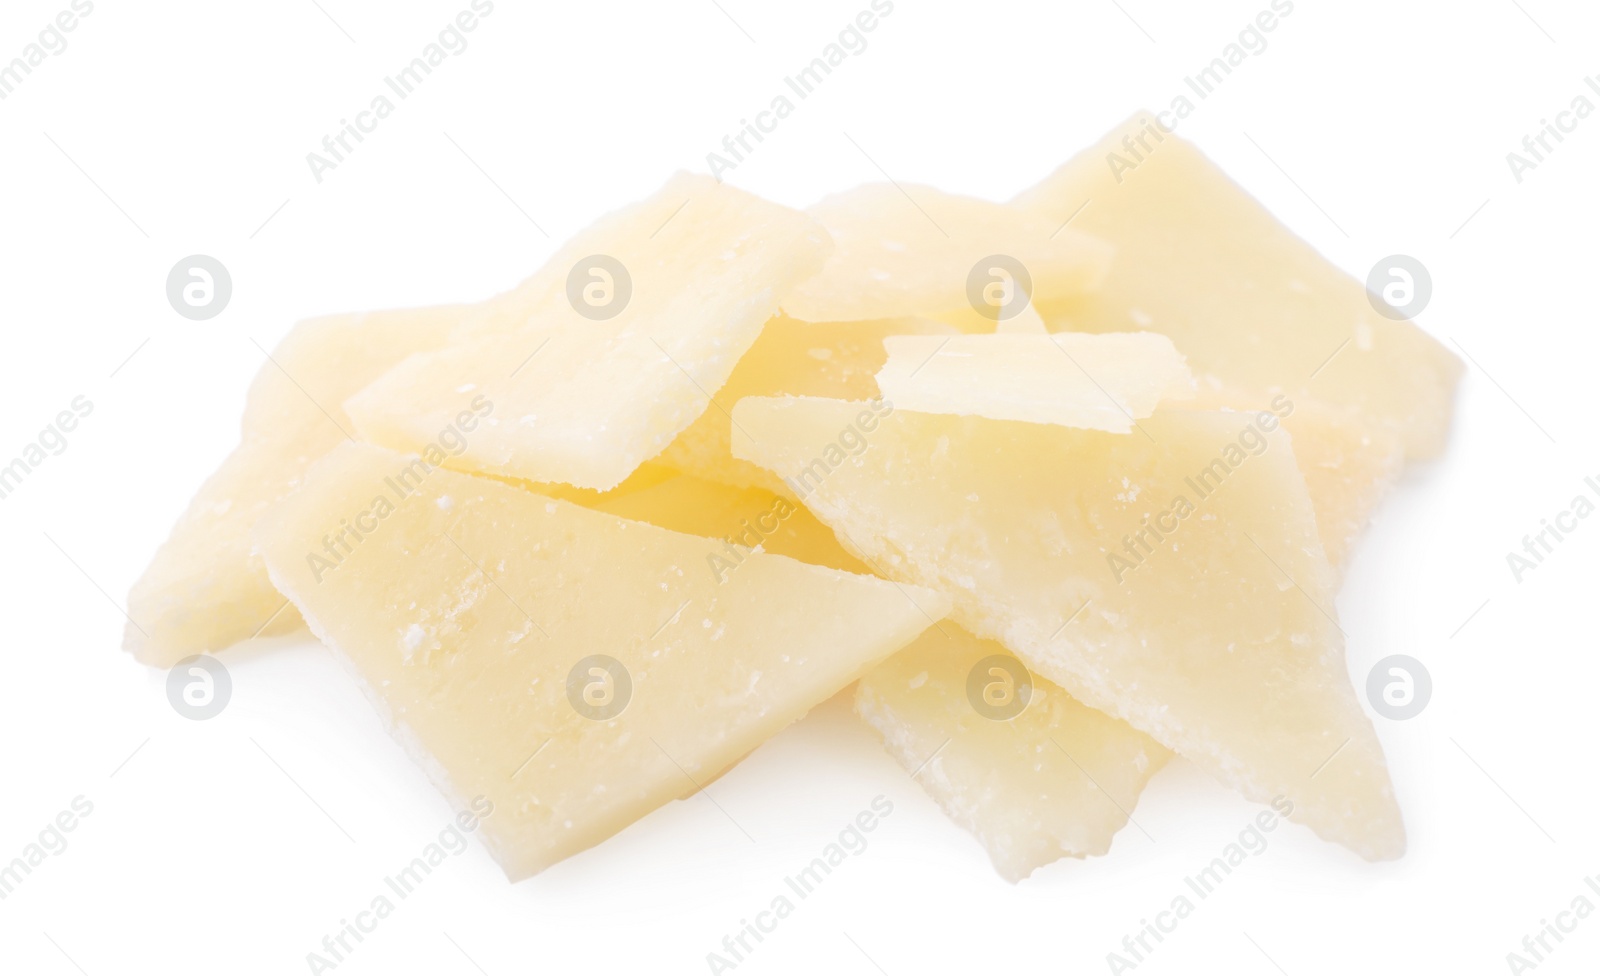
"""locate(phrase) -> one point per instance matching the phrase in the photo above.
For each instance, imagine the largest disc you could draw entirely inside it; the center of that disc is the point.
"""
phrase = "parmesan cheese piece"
(205, 590)
(1248, 302)
(1173, 579)
(1057, 779)
(693, 274)
(1101, 382)
(913, 250)
(791, 358)
(477, 625)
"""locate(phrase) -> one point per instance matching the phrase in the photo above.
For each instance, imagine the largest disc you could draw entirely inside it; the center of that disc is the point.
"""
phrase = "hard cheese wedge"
(792, 358)
(1056, 780)
(1173, 579)
(903, 249)
(1198, 259)
(589, 387)
(474, 610)
(205, 589)
(1101, 382)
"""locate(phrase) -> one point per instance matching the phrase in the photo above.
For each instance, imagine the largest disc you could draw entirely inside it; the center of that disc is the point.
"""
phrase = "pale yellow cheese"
(912, 250)
(466, 605)
(1100, 382)
(1027, 321)
(1207, 623)
(1247, 301)
(205, 590)
(1056, 780)
(584, 401)
(793, 358)
(1349, 466)
(745, 519)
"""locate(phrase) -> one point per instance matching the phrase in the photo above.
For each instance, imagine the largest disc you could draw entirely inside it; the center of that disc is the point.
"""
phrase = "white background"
(207, 851)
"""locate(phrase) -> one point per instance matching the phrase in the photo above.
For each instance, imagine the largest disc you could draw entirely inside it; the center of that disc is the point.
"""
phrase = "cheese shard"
(746, 520)
(1349, 466)
(205, 590)
(1100, 382)
(473, 611)
(584, 401)
(1057, 780)
(1247, 301)
(1175, 581)
(791, 358)
(903, 249)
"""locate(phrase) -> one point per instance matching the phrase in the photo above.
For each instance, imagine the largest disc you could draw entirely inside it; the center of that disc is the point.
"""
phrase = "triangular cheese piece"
(474, 611)
(1055, 779)
(1100, 382)
(205, 590)
(584, 400)
(1247, 301)
(791, 358)
(903, 249)
(1172, 577)
(1349, 465)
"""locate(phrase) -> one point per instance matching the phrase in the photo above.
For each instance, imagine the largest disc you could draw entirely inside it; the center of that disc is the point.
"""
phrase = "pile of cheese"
(1062, 486)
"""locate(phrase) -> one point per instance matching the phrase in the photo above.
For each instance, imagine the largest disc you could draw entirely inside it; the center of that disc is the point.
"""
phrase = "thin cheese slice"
(792, 358)
(474, 611)
(1101, 382)
(903, 249)
(205, 590)
(1247, 301)
(1171, 577)
(1058, 779)
(584, 401)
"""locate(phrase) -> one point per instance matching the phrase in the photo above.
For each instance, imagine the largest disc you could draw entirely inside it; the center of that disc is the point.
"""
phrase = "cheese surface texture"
(1244, 298)
(913, 250)
(1099, 382)
(575, 668)
(600, 378)
(1057, 779)
(205, 590)
(1173, 579)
